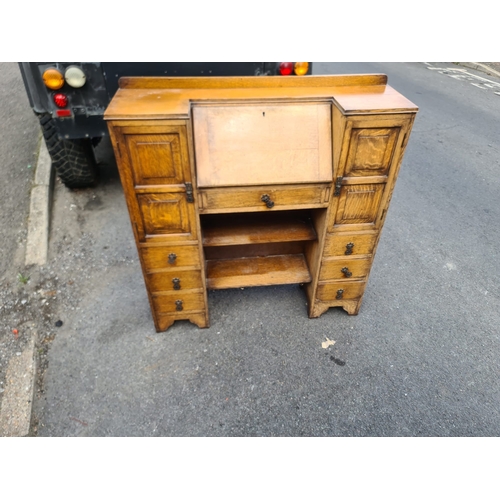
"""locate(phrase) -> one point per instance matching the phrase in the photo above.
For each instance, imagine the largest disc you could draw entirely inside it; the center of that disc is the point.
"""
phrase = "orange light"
(53, 78)
(300, 68)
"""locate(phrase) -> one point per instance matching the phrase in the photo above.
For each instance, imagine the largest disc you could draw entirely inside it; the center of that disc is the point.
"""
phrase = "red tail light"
(286, 68)
(61, 100)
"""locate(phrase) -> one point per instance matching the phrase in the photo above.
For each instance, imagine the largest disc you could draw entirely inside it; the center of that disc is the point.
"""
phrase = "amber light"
(286, 68)
(300, 68)
(53, 79)
(61, 100)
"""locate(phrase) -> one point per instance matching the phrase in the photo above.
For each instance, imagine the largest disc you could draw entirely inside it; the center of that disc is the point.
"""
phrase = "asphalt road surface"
(421, 358)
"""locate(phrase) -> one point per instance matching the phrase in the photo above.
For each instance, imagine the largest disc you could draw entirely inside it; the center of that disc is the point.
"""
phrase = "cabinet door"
(359, 204)
(154, 164)
(165, 214)
(370, 151)
(155, 154)
(371, 146)
(156, 158)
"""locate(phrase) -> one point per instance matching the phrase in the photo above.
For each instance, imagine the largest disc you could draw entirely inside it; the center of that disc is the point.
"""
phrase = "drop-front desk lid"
(248, 144)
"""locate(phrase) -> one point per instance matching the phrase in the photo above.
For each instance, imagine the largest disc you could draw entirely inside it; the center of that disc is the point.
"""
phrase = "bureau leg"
(317, 309)
(166, 321)
(200, 320)
(352, 307)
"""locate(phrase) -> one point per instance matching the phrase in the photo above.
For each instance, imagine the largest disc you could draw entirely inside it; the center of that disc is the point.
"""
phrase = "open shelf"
(257, 271)
(256, 228)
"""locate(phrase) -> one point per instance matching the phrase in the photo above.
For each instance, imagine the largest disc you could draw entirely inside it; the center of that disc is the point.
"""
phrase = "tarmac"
(16, 409)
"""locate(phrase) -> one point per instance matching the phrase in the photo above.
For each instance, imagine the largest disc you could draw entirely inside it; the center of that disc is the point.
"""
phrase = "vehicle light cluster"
(74, 76)
(299, 68)
(55, 80)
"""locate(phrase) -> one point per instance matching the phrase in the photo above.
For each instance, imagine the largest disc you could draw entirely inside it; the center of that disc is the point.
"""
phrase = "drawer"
(174, 303)
(350, 244)
(263, 198)
(338, 269)
(178, 280)
(340, 290)
(170, 257)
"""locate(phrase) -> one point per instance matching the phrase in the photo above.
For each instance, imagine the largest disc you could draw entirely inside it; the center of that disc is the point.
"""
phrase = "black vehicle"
(70, 99)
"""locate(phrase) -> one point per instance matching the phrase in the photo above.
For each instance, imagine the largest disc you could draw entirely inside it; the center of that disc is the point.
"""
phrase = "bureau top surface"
(164, 98)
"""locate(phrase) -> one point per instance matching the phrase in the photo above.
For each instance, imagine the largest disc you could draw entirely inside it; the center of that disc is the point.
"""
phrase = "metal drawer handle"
(346, 272)
(171, 258)
(178, 305)
(348, 248)
(340, 294)
(267, 200)
(177, 283)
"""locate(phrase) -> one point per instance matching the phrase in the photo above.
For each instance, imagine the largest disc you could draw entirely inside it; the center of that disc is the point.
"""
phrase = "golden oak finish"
(170, 256)
(337, 269)
(241, 145)
(350, 244)
(250, 199)
(176, 280)
(257, 271)
(254, 181)
(255, 228)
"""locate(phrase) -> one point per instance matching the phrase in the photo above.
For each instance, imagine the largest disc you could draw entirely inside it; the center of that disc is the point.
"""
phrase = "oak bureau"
(249, 181)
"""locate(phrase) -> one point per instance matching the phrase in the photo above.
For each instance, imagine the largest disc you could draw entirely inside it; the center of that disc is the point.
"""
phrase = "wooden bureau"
(250, 181)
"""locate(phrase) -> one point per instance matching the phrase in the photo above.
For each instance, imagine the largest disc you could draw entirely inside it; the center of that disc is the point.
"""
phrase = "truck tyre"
(73, 159)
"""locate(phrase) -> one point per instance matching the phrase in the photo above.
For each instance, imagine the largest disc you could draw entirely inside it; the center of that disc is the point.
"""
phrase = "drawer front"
(354, 244)
(170, 257)
(179, 280)
(263, 198)
(339, 269)
(340, 290)
(176, 303)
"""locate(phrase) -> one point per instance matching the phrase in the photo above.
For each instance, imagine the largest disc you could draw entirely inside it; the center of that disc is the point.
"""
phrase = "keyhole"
(263, 113)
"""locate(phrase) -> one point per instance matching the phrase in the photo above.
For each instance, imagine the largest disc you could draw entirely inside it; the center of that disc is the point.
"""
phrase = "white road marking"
(463, 74)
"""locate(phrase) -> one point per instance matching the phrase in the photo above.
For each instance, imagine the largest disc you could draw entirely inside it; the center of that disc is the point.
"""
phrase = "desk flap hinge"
(338, 185)
(189, 192)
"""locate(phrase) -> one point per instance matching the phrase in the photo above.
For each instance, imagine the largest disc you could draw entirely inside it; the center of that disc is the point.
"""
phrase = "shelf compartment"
(255, 228)
(257, 271)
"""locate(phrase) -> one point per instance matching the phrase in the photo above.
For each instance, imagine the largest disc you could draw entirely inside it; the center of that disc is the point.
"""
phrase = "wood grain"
(257, 271)
(253, 228)
(332, 269)
(359, 204)
(351, 290)
(362, 244)
(157, 257)
(262, 144)
(249, 199)
(227, 82)
(164, 281)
